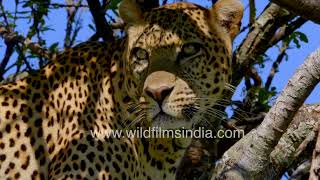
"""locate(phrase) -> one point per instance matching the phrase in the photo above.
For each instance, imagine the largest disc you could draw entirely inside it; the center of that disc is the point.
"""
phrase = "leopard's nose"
(158, 94)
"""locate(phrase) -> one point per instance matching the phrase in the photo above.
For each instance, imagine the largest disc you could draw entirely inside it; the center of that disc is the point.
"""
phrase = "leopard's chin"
(165, 121)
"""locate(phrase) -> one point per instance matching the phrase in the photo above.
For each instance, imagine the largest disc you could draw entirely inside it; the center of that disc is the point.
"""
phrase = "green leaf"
(46, 28)
(12, 25)
(9, 15)
(54, 47)
(113, 4)
(296, 42)
(303, 37)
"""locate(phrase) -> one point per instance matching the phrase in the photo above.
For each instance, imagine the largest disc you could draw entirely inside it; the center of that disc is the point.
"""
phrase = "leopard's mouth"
(162, 116)
(166, 121)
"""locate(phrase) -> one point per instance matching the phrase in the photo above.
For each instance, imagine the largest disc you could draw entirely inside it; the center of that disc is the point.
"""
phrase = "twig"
(275, 65)
(6, 58)
(24, 59)
(78, 5)
(111, 18)
(4, 14)
(252, 15)
(53, 5)
(287, 30)
(254, 75)
(118, 25)
(71, 13)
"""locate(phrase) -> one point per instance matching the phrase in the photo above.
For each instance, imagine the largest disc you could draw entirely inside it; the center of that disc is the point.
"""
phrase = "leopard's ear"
(228, 13)
(132, 11)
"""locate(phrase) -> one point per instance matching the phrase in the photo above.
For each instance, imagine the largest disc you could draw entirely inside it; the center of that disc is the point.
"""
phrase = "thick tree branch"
(249, 157)
(314, 170)
(308, 9)
(258, 39)
(302, 126)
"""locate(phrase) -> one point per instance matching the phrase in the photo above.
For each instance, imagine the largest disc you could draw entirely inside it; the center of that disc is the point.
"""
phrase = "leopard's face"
(178, 63)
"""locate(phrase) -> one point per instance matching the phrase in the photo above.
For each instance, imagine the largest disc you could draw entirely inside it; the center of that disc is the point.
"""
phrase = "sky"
(56, 19)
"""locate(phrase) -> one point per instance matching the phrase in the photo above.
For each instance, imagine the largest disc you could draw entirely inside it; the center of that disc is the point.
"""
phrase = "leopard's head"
(177, 60)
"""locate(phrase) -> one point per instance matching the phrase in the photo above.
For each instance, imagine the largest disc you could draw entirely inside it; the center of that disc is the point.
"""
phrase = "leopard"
(172, 65)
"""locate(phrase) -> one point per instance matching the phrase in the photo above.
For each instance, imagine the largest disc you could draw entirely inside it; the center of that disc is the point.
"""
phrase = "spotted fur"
(170, 69)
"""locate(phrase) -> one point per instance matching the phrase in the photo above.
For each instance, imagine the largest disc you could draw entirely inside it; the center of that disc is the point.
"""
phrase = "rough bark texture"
(314, 169)
(300, 128)
(308, 9)
(250, 157)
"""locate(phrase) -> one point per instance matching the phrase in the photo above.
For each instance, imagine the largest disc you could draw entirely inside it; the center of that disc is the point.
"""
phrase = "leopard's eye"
(139, 61)
(140, 54)
(190, 49)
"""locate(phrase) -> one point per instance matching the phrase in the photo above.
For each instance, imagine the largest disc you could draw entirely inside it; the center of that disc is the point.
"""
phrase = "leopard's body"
(174, 56)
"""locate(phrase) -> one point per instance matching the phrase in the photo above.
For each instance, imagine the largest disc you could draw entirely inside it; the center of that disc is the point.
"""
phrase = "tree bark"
(308, 9)
(291, 143)
(314, 169)
(249, 158)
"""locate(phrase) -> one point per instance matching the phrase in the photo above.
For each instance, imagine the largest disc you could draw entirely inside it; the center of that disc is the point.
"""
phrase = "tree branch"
(301, 170)
(275, 65)
(287, 30)
(71, 32)
(258, 39)
(55, 5)
(314, 170)
(13, 37)
(5, 60)
(102, 27)
(249, 157)
(303, 124)
(252, 15)
(308, 9)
